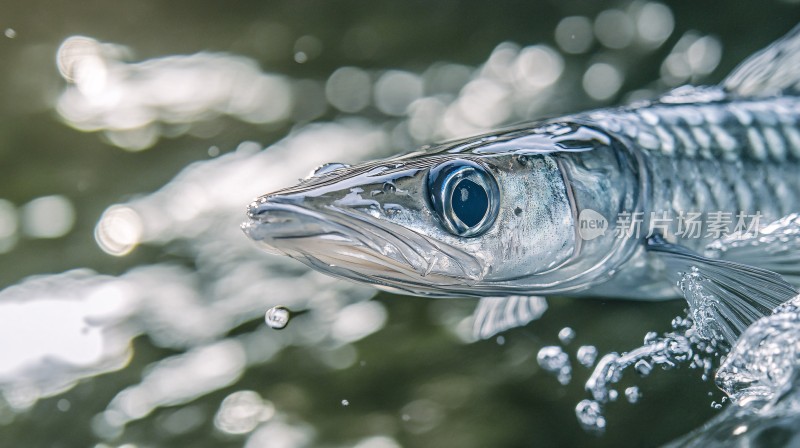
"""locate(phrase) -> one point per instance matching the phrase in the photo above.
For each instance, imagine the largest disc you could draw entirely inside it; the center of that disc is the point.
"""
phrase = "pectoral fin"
(497, 314)
(725, 297)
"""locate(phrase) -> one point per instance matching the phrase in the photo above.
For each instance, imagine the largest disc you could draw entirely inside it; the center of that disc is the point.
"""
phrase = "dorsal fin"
(772, 71)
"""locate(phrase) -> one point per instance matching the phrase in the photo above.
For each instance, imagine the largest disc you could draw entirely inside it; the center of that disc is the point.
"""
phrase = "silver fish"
(535, 210)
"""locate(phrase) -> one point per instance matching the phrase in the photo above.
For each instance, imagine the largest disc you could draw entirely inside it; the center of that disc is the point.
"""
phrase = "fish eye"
(464, 196)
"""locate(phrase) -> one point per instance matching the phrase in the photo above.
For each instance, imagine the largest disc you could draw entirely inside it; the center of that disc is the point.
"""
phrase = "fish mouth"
(351, 244)
(283, 221)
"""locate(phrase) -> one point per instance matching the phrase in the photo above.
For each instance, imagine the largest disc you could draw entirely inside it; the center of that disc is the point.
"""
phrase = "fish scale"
(751, 147)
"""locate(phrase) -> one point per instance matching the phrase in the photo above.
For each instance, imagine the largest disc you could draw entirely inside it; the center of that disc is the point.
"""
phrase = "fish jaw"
(358, 247)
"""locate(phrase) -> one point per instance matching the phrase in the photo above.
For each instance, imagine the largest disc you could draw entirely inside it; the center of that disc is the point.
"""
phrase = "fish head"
(437, 223)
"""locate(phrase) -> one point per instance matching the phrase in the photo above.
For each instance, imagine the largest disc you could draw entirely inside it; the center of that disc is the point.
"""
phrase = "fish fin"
(775, 247)
(497, 314)
(772, 71)
(724, 297)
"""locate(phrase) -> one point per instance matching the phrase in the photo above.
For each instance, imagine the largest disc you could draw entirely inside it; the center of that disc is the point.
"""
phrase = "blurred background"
(133, 135)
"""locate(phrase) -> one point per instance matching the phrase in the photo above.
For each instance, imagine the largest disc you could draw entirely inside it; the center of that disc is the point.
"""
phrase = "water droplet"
(586, 355)
(632, 394)
(566, 335)
(552, 359)
(590, 416)
(389, 187)
(326, 168)
(278, 317)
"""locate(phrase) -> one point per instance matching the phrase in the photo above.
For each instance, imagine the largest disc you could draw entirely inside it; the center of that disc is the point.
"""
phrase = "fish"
(595, 204)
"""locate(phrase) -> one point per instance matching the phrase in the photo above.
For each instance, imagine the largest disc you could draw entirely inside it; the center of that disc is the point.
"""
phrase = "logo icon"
(591, 224)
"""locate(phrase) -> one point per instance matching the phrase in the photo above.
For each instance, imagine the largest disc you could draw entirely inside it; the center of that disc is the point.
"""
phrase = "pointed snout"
(279, 217)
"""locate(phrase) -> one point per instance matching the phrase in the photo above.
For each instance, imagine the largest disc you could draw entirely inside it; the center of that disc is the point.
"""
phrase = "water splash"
(764, 362)
(684, 345)
(761, 377)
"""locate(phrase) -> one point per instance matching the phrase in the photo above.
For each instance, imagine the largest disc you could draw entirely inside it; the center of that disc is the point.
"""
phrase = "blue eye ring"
(464, 196)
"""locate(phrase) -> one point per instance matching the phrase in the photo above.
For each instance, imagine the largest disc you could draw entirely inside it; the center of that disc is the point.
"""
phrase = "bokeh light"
(48, 217)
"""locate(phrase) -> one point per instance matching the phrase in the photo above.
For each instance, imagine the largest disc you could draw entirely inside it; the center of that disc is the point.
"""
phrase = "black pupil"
(470, 202)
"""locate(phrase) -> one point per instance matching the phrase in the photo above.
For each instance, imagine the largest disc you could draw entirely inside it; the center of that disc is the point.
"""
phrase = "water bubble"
(345, 403)
(612, 395)
(574, 34)
(501, 340)
(278, 317)
(63, 405)
(10, 33)
(650, 337)
(715, 405)
(632, 394)
(566, 335)
(590, 416)
(552, 359)
(586, 355)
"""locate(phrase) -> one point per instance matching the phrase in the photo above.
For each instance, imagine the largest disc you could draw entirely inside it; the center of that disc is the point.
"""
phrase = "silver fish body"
(735, 156)
(500, 214)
